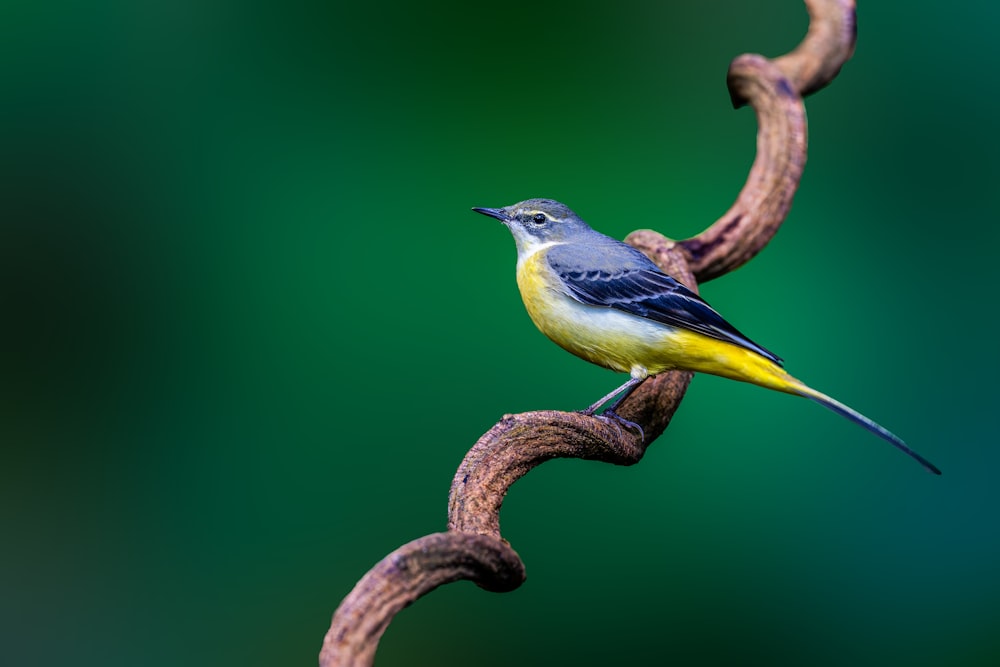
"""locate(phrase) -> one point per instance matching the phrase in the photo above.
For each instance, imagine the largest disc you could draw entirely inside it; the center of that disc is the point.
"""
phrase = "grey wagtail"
(606, 302)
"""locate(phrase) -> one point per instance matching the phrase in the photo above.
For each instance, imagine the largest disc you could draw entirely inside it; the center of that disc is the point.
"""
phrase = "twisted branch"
(774, 88)
(473, 547)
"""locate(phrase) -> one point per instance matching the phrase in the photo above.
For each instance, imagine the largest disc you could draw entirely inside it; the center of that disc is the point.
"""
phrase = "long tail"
(858, 418)
(747, 365)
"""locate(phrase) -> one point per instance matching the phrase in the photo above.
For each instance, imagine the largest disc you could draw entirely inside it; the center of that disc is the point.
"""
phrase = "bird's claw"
(612, 416)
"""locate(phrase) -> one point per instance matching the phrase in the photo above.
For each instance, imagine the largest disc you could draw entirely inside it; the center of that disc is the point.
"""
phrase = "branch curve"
(409, 572)
(774, 88)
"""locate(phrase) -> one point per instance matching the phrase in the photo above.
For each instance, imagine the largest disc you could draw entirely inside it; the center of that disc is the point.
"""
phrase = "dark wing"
(615, 275)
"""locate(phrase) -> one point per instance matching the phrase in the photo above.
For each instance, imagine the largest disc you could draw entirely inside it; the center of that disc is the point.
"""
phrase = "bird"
(606, 302)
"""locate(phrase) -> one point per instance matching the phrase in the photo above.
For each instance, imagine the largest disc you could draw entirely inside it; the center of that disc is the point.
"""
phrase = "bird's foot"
(612, 416)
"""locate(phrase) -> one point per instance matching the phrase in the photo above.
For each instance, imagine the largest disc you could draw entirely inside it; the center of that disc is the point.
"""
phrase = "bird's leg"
(625, 390)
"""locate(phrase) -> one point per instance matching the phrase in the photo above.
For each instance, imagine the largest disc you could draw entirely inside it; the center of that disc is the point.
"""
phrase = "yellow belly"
(631, 344)
(602, 336)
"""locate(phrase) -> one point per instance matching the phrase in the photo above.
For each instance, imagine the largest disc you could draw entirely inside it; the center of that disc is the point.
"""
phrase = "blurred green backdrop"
(250, 327)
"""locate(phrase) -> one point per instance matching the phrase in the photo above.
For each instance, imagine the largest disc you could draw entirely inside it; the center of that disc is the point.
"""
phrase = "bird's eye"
(539, 218)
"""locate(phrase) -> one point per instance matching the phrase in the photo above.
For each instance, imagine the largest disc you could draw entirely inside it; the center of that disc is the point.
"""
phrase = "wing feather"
(615, 275)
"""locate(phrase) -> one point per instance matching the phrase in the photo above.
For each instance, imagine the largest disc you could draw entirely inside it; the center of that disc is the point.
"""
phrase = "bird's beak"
(497, 213)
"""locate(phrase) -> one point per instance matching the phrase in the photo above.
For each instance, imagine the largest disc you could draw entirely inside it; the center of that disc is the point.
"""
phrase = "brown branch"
(409, 572)
(828, 44)
(764, 201)
(774, 89)
(473, 547)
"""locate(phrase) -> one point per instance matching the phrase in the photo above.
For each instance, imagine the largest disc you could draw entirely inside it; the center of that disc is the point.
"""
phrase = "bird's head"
(537, 221)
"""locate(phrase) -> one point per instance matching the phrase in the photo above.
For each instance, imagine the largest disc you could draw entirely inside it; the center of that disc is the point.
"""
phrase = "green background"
(250, 327)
